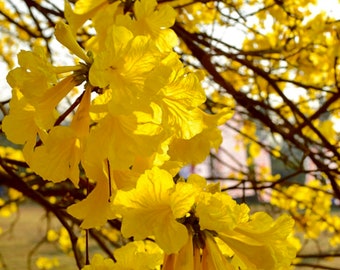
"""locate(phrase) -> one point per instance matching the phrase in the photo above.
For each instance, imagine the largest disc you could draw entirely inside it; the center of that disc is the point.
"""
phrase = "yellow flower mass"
(136, 124)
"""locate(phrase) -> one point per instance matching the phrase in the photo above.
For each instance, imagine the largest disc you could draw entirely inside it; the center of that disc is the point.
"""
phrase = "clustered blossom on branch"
(136, 124)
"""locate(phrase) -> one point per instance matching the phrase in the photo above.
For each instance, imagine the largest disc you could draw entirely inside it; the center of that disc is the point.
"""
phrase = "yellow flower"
(47, 263)
(155, 205)
(36, 93)
(98, 262)
(64, 35)
(124, 139)
(178, 93)
(223, 236)
(35, 74)
(212, 257)
(58, 157)
(137, 255)
(261, 243)
(219, 211)
(45, 104)
(153, 21)
(20, 126)
(83, 11)
(256, 242)
(105, 17)
(124, 63)
(88, 6)
(95, 210)
(196, 149)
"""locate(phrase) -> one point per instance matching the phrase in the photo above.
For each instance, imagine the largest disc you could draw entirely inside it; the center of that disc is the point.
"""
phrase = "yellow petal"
(81, 14)
(19, 125)
(261, 243)
(58, 158)
(86, 6)
(153, 205)
(212, 257)
(95, 210)
(81, 120)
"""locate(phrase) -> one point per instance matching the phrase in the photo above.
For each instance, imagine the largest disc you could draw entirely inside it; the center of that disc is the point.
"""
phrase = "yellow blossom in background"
(306, 205)
(6, 210)
(46, 263)
(12, 153)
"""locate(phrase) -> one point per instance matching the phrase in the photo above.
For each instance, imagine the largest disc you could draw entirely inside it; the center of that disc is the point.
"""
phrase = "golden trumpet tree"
(111, 100)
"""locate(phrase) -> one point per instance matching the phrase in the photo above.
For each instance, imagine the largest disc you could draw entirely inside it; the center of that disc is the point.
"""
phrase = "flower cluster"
(135, 125)
(310, 205)
(199, 227)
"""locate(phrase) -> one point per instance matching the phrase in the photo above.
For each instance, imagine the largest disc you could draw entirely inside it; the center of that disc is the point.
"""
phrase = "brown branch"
(254, 107)
(14, 181)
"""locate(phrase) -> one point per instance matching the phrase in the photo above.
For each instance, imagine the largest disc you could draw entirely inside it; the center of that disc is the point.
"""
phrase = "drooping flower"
(58, 157)
(88, 211)
(222, 235)
(253, 242)
(83, 11)
(197, 148)
(261, 243)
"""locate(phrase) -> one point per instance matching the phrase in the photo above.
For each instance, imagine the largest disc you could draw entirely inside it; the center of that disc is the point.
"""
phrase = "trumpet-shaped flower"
(223, 236)
(137, 255)
(34, 116)
(155, 205)
(83, 11)
(87, 209)
(46, 104)
(110, 12)
(58, 157)
(212, 257)
(177, 92)
(219, 211)
(196, 149)
(153, 21)
(124, 139)
(256, 242)
(124, 63)
(261, 243)
(35, 74)
(19, 125)
(183, 260)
